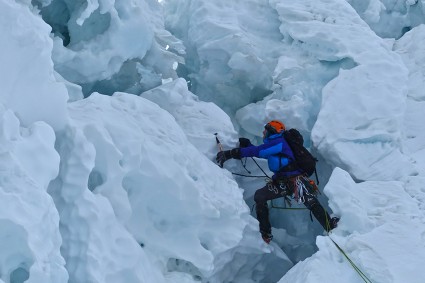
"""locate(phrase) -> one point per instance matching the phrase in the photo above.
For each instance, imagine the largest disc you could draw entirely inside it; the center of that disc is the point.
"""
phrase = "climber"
(288, 179)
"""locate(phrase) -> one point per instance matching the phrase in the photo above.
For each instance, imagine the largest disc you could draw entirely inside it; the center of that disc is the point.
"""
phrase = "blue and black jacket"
(278, 154)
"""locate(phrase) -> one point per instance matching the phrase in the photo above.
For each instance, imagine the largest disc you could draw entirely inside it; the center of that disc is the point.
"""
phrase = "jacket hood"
(272, 137)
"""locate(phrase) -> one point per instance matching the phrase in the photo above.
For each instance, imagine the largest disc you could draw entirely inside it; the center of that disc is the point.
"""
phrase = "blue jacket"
(277, 152)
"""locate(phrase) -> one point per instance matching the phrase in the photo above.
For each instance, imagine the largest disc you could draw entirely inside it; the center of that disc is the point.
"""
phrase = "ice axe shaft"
(220, 147)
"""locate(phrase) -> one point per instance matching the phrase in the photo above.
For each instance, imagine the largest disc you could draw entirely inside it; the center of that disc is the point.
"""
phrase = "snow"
(376, 217)
(122, 169)
(101, 44)
(109, 114)
(194, 116)
(32, 93)
(28, 215)
(391, 18)
(414, 140)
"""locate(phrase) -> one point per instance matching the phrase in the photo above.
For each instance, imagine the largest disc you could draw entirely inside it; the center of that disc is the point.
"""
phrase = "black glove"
(244, 142)
(223, 156)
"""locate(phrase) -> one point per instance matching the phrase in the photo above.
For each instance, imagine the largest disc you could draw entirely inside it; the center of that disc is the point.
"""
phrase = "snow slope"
(118, 187)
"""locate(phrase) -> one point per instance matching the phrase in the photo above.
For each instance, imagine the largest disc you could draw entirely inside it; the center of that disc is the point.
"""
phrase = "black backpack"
(303, 158)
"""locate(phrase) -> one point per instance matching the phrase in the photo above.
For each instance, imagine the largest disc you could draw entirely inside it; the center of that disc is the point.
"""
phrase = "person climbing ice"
(289, 178)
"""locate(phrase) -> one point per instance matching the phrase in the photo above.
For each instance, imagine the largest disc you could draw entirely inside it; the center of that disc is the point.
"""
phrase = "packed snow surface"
(109, 114)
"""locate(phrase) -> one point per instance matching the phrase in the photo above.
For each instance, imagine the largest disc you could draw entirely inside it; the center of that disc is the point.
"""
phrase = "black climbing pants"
(297, 186)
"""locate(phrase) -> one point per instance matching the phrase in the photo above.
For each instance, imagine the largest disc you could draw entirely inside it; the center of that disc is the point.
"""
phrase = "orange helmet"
(274, 127)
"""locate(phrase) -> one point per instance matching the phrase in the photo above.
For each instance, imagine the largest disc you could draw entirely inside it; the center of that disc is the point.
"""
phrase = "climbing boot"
(267, 237)
(334, 222)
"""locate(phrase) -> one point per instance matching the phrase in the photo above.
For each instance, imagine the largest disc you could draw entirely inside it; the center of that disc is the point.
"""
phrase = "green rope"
(289, 208)
(285, 207)
(353, 265)
(328, 228)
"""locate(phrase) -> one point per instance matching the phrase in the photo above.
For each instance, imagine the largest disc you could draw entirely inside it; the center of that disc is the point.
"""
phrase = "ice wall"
(32, 106)
(110, 46)
(391, 18)
(27, 78)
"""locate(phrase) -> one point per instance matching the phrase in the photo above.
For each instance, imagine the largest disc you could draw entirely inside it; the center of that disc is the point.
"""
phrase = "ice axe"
(220, 147)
